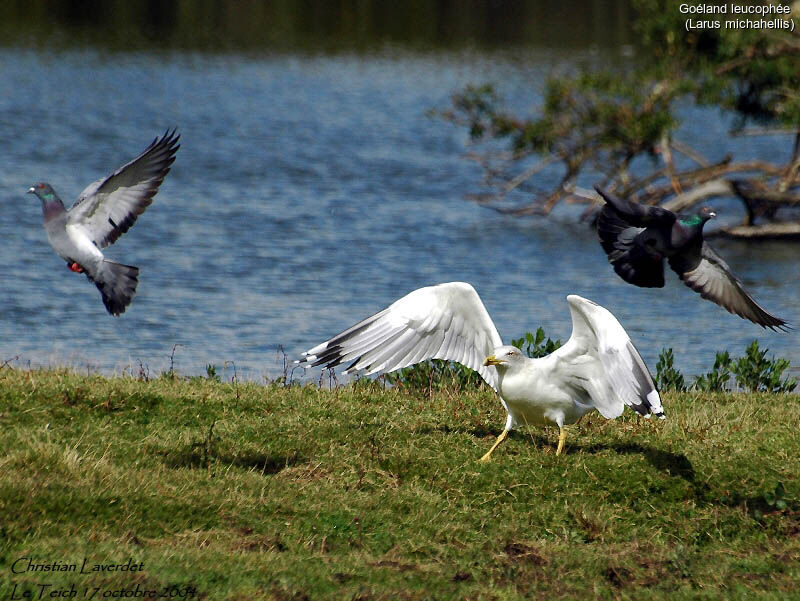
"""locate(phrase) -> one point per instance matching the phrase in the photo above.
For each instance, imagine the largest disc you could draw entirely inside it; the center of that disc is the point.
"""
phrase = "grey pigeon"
(104, 211)
(638, 238)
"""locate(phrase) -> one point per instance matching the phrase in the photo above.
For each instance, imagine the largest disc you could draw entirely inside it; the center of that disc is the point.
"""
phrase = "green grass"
(243, 491)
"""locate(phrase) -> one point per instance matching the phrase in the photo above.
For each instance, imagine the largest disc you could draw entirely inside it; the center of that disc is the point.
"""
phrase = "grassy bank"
(241, 491)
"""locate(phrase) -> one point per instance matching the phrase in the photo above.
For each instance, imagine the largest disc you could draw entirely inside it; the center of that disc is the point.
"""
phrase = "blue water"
(310, 192)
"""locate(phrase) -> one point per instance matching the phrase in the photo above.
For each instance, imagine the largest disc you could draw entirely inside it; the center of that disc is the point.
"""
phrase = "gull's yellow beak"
(492, 360)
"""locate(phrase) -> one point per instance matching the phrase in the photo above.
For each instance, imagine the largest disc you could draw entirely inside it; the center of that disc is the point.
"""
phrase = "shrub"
(535, 345)
(211, 372)
(667, 377)
(437, 374)
(754, 372)
(718, 377)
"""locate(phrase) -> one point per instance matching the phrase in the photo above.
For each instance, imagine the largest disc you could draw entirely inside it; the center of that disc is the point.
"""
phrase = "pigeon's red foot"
(75, 267)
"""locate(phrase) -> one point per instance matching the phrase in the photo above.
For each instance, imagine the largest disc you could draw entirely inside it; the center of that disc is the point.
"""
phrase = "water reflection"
(315, 26)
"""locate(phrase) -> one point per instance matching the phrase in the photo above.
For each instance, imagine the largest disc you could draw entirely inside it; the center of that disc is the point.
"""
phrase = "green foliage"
(596, 122)
(211, 372)
(776, 498)
(750, 71)
(480, 104)
(600, 112)
(718, 377)
(593, 112)
(754, 372)
(771, 501)
(667, 377)
(435, 374)
(535, 345)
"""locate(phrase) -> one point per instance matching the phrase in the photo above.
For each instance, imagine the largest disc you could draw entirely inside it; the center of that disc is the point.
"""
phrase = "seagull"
(598, 367)
(638, 238)
(104, 211)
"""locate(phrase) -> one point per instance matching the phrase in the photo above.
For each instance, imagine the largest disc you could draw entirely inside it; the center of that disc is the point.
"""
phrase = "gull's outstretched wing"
(447, 321)
(107, 208)
(715, 281)
(600, 358)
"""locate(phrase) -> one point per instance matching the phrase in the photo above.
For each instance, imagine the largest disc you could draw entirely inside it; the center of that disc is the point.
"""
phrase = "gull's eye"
(510, 353)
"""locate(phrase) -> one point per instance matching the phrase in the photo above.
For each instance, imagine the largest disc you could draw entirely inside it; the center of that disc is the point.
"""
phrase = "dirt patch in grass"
(395, 565)
(261, 544)
(618, 576)
(526, 553)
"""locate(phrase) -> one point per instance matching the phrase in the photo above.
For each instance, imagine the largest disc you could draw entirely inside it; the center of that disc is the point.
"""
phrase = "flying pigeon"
(638, 238)
(597, 369)
(104, 211)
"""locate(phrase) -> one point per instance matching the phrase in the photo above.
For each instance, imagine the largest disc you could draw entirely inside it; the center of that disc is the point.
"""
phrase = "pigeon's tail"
(117, 283)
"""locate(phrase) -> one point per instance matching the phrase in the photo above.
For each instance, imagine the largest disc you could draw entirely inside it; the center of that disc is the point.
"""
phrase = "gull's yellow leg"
(562, 436)
(496, 444)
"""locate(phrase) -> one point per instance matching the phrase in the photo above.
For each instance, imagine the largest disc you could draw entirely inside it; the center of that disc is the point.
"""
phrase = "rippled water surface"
(309, 192)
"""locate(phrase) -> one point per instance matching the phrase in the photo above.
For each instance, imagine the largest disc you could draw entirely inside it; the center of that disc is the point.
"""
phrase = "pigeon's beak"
(492, 360)
(31, 190)
(711, 215)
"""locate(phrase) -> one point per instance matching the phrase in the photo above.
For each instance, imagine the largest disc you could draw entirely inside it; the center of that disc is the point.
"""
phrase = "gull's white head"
(504, 357)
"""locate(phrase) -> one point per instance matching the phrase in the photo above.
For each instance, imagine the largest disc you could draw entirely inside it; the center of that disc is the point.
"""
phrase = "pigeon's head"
(706, 213)
(44, 191)
(699, 218)
(505, 357)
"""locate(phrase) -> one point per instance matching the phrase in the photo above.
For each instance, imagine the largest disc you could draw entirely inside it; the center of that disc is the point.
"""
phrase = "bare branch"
(786, 229)
(690, 152)
(793, 168)
(763, 131)
(717, 187)
(666, 152)
(530, 172)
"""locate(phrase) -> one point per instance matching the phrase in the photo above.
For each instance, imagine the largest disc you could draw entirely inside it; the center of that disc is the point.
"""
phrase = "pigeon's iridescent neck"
(693, 220)
(51, 206)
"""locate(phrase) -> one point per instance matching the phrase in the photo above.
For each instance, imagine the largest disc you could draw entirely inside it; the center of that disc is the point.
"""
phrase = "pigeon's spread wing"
(616, 236)
(626, 251)
(600, 358)
(447, 321)
(107, 208)
(715, 281)
(637, 214)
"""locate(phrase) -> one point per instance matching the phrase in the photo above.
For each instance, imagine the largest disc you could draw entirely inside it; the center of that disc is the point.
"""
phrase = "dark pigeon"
(104, 211)
(638, 238)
